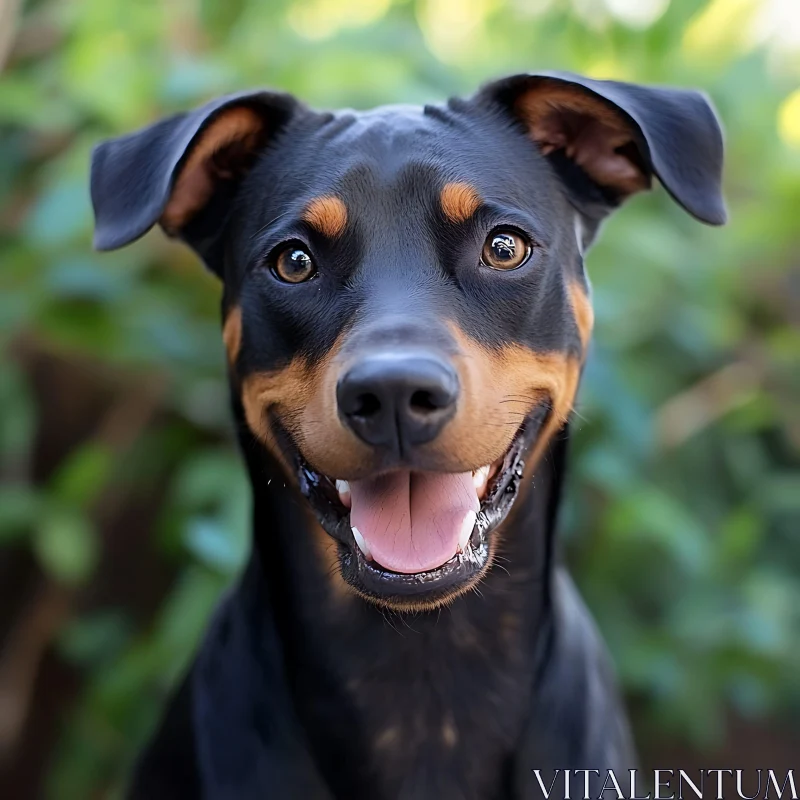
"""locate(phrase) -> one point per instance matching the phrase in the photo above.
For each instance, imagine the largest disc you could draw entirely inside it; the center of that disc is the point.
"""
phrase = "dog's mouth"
(408, 538)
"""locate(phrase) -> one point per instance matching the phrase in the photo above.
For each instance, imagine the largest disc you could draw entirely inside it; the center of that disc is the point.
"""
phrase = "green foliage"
(684, 508)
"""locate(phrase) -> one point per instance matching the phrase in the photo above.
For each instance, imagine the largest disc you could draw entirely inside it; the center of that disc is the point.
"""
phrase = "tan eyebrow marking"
(328, 214)
(459, 201)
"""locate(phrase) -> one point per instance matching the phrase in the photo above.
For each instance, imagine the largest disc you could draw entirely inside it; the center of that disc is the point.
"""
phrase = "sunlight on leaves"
(451, 27)
(321, 19)
(789, 120)
(637, 13)
(724, 26)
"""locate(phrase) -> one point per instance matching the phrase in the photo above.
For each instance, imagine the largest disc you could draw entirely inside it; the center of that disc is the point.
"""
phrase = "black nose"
(396, 401)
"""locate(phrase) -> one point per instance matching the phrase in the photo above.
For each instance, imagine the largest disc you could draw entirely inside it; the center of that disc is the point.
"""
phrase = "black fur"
(294, 695)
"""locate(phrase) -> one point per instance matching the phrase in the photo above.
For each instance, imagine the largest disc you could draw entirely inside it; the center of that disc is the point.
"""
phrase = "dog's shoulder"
(167, 768)
(578, 720)
(230, 729)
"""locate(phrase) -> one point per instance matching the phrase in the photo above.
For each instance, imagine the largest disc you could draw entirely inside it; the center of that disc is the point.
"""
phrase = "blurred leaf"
(652, 514)
(739, 537)
(82, 278)
(66, 546)
(209, 542)
(18, 416)
(19, 509)
(82, 476)
(60, 214)
(204, 479)
(93, 640)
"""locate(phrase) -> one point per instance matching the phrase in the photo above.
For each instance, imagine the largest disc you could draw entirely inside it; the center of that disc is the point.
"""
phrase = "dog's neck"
(403, 690)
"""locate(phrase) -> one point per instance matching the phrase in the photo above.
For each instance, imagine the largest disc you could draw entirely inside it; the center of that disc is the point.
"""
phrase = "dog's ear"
(182, 172)
(618, 135)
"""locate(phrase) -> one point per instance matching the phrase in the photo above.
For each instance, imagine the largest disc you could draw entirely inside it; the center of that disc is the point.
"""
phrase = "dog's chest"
(425, 711)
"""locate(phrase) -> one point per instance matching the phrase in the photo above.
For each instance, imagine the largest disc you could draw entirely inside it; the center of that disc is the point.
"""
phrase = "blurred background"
(123, 504)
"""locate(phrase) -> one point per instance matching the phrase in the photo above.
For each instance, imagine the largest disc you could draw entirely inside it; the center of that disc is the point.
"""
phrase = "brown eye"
(294, 265)
(505, 249)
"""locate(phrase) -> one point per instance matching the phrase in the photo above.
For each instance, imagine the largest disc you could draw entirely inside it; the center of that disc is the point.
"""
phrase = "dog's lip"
(370, 578)
(385, 585)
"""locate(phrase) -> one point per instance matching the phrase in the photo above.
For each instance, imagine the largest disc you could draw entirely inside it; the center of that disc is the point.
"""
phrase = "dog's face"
(406, 312)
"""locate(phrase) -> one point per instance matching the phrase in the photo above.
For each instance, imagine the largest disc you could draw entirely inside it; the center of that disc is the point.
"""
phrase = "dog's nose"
(397, 401)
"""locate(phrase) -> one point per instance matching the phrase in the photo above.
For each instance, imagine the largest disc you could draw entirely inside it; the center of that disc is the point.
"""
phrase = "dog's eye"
(293, 264)
(505, 249)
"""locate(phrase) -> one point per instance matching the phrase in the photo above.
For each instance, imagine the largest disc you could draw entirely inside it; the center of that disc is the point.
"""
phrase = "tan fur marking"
(510, 633)
(387, 738)
(459, 201)
(583, 311)
(562, 406)
(327, 214)
(285, 390)
(449, 733)
(232, 334)
(465, 636)
(195, 183)
(303, 396)
(501, 387)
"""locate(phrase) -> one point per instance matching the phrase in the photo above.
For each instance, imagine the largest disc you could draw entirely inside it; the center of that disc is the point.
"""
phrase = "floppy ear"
(618, 135)
(183, 171)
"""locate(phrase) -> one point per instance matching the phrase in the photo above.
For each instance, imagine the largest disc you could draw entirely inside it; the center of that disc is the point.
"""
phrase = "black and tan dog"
(406, 316)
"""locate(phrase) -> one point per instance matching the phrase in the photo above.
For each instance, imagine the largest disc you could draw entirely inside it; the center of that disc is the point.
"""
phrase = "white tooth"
(466, 530)
(343, 487)
(362, 545)
(480, 476)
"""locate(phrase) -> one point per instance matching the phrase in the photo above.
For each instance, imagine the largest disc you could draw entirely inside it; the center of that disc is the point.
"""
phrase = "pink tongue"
(411, 522)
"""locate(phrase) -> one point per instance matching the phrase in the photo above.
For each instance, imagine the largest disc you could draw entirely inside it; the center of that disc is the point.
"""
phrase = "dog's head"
(406, 312)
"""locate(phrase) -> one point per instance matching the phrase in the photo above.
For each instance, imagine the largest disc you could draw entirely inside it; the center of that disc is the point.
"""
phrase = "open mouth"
(408, 537)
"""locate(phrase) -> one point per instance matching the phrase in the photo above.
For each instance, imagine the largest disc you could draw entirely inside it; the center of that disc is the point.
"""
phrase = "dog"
(406, 317)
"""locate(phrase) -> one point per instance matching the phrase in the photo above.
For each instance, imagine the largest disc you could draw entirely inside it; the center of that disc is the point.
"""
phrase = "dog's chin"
(497, 488)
